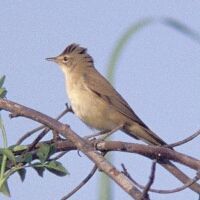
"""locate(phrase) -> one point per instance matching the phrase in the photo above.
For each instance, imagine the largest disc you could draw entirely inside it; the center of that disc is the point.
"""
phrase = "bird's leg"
(97, 134)
(106, 133)
(119, 127)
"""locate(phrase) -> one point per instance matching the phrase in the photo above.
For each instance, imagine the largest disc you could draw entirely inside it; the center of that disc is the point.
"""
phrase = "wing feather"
(101, 87)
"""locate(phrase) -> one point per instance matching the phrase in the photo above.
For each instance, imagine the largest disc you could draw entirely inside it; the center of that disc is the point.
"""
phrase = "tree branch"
(151, 180)
(154, 152)
(29, 133)
(83, 182)
(81, 144)
(161, 154)
(184, 141)
(166, 191)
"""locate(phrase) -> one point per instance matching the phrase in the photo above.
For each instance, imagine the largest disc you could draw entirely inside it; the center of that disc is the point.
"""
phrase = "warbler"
(95, 101)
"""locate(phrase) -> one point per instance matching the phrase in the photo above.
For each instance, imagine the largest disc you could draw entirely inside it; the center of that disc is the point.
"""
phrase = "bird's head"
(73, 57)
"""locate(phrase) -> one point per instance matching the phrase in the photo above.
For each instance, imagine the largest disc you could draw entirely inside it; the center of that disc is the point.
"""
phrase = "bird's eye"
(65, 58)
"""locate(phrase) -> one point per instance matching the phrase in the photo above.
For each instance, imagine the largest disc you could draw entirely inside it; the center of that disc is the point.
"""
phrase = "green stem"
(9, 173)
(4, 159)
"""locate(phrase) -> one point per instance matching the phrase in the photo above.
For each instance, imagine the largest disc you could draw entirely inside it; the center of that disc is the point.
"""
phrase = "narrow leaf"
(22, 174)
(56, 168)
(52, 149)
(27, 158)
(2, 80)
(9, 154)
(5, 189)
(43, 152)
(40, 170)
(3, 92)
(19, 148)
(183, 28)
(1, 158)
(121, 43)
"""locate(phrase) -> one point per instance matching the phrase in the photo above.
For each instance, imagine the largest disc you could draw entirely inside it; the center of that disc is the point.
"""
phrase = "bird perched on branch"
(95, 101)
(100, 106)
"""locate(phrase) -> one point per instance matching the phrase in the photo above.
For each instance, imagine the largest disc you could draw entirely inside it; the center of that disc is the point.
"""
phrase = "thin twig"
(151, 180)
(178, 189)
(29, 133)
(83, 182)
(38, 138)
(58, 156)
(47, 129)
(188, 139)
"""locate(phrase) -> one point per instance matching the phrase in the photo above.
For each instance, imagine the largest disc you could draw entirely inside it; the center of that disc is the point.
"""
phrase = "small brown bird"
(99, 105)
(95, 101)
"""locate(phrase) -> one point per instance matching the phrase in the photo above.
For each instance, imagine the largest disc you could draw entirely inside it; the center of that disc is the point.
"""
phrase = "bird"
(95, 101)
(98, 104)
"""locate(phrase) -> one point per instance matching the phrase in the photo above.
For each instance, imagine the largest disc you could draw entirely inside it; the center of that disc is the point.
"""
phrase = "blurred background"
(157, 72)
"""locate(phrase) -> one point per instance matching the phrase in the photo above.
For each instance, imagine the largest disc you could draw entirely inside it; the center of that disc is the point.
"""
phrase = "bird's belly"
(92, 110)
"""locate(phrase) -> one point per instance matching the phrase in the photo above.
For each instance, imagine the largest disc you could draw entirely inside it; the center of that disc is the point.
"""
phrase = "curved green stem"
(4, 159)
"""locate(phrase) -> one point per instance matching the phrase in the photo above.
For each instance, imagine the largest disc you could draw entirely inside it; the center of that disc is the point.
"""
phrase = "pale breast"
(89, 107)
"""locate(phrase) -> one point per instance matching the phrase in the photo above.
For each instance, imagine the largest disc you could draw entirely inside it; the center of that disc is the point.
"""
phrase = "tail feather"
(142, 133)
(139, 132)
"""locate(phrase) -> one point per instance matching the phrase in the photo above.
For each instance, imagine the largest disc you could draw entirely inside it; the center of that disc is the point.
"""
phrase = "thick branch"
(80, 143)
(153, 152)
(149, 151)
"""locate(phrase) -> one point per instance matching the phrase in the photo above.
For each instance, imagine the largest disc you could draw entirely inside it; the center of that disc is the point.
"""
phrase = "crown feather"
(76, 49)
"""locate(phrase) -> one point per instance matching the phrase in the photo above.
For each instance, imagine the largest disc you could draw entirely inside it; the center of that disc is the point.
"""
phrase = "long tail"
(139, 132)
(142, 133)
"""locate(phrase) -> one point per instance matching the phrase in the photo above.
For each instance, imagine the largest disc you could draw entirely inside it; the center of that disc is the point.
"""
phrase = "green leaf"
(9, 154)
(57, 168)
(25, 158)
(3, 92)
(22, 173)
(39, 169)
(2, 80)
(28, 157)
(19, 148)
(5, 189)
(52, 149)
(43, 152)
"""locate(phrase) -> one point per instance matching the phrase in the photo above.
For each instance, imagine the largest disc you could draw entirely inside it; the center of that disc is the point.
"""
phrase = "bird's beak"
(54, 59)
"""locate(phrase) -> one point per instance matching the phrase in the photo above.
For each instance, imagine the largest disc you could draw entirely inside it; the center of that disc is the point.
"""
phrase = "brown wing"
(99, 85)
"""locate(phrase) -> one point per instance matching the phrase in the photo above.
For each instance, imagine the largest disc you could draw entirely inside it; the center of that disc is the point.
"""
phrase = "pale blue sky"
(158, 74)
